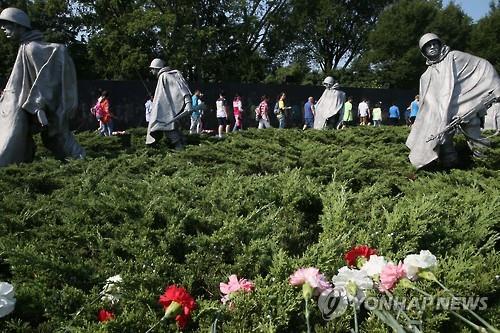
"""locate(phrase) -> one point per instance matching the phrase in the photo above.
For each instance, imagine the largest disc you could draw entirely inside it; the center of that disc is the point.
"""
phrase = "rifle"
(179, 115)
(143, 83)
(185, 111)
(457, 121)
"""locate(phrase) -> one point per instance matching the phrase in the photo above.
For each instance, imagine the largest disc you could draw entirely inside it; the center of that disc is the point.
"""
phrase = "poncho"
(43, 77)
(169, 101)
(452, 85)
(329, 104)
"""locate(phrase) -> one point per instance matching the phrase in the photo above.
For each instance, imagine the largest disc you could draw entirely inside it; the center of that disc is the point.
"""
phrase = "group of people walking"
(457, 91)
(222, 113)
(374, 116)
(230, 115)
(281, 110)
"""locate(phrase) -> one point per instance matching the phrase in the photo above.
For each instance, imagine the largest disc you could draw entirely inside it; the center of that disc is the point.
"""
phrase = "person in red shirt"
(238, 113)
(103, 114)
(261, 113)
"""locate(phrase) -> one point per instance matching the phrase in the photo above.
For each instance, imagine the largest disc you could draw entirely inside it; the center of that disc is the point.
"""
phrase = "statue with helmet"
(456, 91)
(330, 104)
(40, 95)
(172, 100)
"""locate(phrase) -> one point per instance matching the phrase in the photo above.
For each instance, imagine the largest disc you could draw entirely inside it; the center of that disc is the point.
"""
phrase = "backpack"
(257, 113)
(97, 110)
(277, 108)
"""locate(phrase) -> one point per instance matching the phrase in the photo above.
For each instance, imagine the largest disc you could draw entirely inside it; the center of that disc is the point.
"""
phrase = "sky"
(474, 8)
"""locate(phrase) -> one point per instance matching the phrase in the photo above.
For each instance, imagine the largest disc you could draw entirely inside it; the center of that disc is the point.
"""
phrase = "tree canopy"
(393, 53)
(485, 35)
(370, 43)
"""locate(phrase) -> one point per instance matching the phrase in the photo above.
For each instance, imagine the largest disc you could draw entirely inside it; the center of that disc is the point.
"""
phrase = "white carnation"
(414, 263)
(374, 265)
(353, 282)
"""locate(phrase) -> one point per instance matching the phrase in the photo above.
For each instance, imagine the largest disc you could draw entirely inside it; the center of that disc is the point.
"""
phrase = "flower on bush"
(178, 303)
(373, 267)
(390, 275)
(358, 255)
(234, 285)
(312, 282)
(111, 290)
(7, 299)
(104, 315)
(416, 263)
(352, 283)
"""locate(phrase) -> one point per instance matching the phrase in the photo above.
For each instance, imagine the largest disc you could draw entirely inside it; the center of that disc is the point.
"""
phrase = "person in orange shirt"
(104, 115)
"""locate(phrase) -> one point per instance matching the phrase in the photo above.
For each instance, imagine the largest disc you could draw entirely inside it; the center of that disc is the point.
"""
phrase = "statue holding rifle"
(172, 100)
(40, 95)
(456, 91)
(330, 104)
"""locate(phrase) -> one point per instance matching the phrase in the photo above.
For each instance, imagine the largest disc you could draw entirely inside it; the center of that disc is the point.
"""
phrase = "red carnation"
(105, 315)
(359, 255)
(177, 302)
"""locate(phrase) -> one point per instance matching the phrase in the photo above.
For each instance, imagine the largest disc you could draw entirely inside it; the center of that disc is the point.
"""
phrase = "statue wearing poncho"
(454, 83)
(42, 85)
(330, 103)
(172, 96)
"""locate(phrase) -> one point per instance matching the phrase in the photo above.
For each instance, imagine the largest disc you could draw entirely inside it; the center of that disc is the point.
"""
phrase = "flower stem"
(356, 328)
(478, 317)
(83, 307)
(468, 322)
(213, 327)
(156, 324)
(307, 316)
(65, 329)
(476, 327)
(401, 311)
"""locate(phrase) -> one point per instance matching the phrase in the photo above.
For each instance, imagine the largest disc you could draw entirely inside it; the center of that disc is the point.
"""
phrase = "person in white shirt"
(221, 113)
(363, 112)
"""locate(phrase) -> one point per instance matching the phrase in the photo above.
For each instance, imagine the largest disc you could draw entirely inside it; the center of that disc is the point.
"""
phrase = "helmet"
(328, 81)
(157, 63)
(15, 15)
(427, 38)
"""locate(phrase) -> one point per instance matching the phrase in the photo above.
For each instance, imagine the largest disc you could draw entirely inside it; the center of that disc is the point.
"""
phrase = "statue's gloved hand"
(187, 111)
(188, 104)
(42, 117)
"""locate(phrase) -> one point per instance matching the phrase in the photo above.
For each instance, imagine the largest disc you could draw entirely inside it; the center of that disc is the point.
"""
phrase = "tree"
(121, 36)
(485, 36)
(206, 40)
(394, 57)
(334, 32)
(260, 34)
(58, 22)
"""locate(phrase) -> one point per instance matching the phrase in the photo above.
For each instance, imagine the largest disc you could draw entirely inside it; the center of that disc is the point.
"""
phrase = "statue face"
(432, 49)
(12, 30)
(154, 71)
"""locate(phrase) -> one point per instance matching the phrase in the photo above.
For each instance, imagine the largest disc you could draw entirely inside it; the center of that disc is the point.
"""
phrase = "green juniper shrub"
(258, 204)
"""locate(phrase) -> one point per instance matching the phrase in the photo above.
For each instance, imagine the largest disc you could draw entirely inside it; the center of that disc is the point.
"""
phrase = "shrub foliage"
(258, 204)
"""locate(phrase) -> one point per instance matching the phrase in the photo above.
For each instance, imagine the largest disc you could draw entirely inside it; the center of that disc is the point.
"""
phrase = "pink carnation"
(311, 276)
(390, 275)
(235, 285)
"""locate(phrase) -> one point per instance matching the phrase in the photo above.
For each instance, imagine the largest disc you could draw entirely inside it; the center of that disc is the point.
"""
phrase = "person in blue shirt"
(196, 115)
(309, 114)
(394, 114)
(415, 106)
